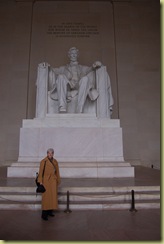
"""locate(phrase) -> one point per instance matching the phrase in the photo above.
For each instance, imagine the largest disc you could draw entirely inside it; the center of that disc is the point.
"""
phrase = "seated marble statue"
(73, 84)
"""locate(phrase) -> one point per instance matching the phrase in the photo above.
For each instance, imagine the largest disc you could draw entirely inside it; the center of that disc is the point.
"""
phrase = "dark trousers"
(45, 213)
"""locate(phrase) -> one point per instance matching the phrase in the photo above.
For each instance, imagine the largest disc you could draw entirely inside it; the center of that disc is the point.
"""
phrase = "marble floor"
(96, 225)
(143, 225)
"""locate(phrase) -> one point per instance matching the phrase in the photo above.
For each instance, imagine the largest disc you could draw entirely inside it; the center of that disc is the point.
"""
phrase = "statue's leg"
(82, 93)
(62, 82)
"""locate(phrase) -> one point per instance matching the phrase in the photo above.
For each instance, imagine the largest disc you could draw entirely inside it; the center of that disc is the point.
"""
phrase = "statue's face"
(73, 55)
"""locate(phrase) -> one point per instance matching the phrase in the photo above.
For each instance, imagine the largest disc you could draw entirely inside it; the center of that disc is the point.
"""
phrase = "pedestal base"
(85, 146)
(74, 137)
(76, 170)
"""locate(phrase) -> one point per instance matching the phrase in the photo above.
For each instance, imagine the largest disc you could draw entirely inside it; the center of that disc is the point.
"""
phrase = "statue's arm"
(87, 70)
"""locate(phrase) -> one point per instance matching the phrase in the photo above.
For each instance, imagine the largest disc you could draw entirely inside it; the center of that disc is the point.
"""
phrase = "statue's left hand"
(97, 65)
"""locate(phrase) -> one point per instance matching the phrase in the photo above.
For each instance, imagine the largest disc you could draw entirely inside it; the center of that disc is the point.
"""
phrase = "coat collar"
(52, 161)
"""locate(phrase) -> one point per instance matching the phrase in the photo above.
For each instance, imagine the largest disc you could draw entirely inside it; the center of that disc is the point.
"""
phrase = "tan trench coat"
(50, 180)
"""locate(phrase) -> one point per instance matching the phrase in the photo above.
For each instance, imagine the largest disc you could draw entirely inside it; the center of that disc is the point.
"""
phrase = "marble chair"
(101, 106)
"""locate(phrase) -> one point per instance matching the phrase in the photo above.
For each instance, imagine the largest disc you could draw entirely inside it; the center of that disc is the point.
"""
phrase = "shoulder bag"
(40, 188)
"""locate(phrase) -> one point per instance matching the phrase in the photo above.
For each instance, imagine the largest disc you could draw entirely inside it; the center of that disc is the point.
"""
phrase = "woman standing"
(50, 180)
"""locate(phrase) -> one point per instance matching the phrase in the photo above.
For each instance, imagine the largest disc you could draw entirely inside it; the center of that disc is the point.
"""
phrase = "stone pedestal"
(84, 146)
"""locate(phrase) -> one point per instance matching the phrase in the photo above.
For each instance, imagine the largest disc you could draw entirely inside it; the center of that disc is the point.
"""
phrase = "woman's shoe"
(45, 218)
(50, 213)
(44, 215)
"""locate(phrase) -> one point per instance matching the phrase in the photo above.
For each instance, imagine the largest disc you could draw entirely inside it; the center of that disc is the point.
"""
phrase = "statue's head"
(73, 51)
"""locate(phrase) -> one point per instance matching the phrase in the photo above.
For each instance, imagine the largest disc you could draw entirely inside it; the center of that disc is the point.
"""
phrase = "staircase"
(93, 194)
(82, 198)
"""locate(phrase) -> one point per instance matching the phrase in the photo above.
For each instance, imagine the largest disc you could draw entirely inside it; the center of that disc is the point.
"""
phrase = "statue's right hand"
(43, 65)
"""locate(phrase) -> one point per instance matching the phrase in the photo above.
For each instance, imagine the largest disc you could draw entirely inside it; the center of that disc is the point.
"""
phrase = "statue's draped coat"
(50, 180)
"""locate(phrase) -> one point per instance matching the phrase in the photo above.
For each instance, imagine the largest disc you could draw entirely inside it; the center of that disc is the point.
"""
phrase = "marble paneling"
(29, 142)
(83, 150)
(77, 144)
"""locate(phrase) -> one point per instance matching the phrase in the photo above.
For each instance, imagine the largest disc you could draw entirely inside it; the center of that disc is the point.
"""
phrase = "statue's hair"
(71, 49)
(50, 150)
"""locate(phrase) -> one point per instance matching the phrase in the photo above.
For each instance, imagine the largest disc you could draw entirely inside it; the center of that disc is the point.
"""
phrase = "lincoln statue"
(73, 88)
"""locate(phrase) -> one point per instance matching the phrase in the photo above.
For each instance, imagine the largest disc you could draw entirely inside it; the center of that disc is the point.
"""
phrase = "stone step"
(113, 206)
(81, 206)
(75, 164)
(82, 197)
(112, 189)
(75, 169)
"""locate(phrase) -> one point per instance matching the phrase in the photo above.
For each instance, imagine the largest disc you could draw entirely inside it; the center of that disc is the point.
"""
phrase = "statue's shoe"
(62, 110)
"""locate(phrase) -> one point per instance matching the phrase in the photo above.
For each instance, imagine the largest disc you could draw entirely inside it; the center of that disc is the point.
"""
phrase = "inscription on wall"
(71, 29)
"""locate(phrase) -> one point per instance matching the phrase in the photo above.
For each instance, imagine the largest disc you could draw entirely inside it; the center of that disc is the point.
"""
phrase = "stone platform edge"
(75, 170)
